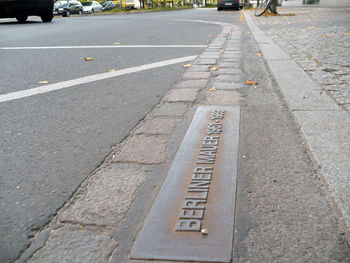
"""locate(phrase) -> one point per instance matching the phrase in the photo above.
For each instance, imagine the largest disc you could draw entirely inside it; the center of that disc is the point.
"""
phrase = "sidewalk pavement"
(282, 213)
(308, 51)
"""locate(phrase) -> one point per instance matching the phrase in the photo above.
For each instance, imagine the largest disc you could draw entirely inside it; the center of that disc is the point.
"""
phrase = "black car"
(230, 4)
(66, 8)
(21, 9)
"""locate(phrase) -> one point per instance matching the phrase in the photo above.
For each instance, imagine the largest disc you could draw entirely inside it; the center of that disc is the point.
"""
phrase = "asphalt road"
(51, 142)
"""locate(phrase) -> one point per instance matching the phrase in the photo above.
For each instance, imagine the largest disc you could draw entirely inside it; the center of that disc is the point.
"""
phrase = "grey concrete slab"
(155, 126)
(301, 92)
(205, 61)
(162, 237)
(198, 68)
(226, 71)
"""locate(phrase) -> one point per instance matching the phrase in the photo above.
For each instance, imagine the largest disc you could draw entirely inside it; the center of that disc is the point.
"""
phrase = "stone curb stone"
(143, 149)
(182, 95)
(226, 71)
(197, 83)
(196, 75)
(222, 97)
(206, 61)
(198, 68)
(171, 109)
(227, 78)
(107, 196)
(227, 86)
(158, 126)
(67, 245)
(229, 65)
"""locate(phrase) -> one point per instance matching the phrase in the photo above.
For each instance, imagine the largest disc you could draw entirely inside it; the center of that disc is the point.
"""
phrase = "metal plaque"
(192, 218)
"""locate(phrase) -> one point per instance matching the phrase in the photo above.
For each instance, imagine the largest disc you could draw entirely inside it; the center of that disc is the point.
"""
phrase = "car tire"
(21, 18)
(46, 18)
(219, 9)
(92, 11)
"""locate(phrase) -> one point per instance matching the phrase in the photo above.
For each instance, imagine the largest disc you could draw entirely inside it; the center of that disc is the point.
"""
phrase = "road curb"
(324, 126)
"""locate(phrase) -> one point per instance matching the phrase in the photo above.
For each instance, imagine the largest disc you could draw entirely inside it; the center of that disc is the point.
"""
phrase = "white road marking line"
(105, 46)
(69, 83)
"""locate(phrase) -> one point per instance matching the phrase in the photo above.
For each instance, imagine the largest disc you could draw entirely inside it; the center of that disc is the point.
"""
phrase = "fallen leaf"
(187, 65)
(213, 69)
(111, 70)
(81, 227)
(347, 33)
(221, 50)
(325, 35)
(259, 54)
(43, 82)
(212, 89)
(251, 82)
(18, 187)
(117, 43)
(89, 59)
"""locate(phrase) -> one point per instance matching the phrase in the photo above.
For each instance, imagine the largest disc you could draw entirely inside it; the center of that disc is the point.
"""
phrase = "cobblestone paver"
(318, 39)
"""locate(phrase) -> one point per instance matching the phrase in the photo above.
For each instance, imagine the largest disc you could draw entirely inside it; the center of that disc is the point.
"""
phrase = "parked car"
(230, 4)
(22, 9)
(91, 7)
(66, 8)
(108, 5)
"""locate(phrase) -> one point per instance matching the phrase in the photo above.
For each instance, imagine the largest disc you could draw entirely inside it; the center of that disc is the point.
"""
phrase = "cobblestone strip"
(324, 124)
(85, 228)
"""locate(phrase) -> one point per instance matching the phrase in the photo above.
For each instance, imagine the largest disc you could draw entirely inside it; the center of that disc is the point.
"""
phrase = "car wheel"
(47, 17)
(92, 11)
(21, 18)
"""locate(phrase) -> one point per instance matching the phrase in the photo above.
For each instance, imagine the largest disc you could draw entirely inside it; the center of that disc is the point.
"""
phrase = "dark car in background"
(21, 9)
(108, 5)
(66, 8)
(230, 4)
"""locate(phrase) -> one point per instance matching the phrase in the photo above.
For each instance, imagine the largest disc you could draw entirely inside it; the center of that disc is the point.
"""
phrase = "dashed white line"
(69, 83)
(104, 46)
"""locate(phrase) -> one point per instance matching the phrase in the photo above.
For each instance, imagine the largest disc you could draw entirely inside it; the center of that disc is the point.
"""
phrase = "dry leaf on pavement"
(212, 89)
(117, 43)
(88, 59)
(251, 82)
(325, 35)
(187, 65)
(43, 82)
(111, 70)
(259, 54)
(213, 69)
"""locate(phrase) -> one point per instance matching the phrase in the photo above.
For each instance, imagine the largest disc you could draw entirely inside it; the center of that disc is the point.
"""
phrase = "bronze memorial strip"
(192, 218)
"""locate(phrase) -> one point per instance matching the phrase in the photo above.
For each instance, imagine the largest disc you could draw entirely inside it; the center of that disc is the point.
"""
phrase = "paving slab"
(205, 61)
(227, 78)
(143, 149)
(98, 204)
(229, 64)
(182, 95)
(196, 75)
(227, 86)
(227, 71)
(222, 97)
(75, 245)
(171, 110)
(198, 68)
(197, 83)
(158, 126)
